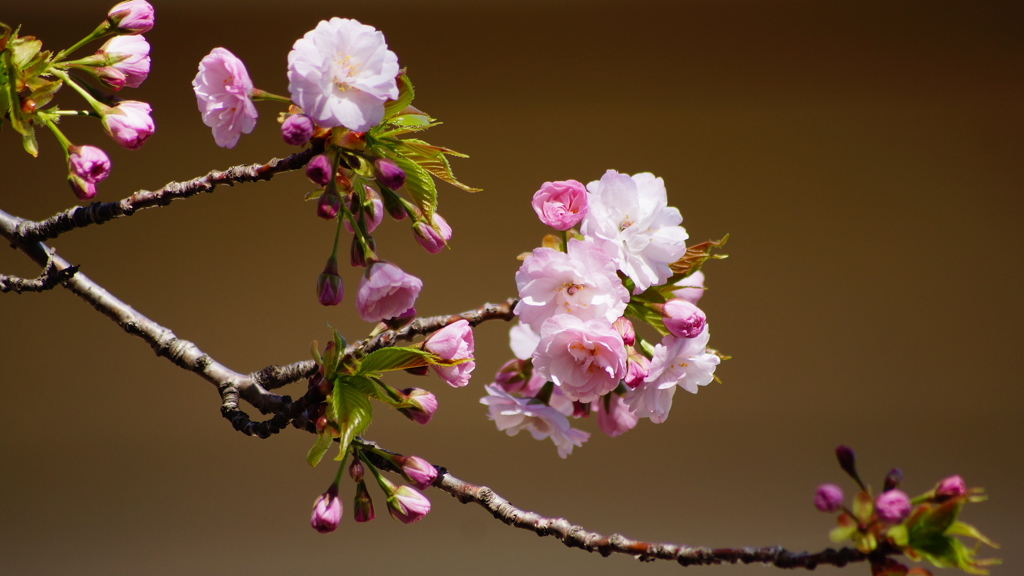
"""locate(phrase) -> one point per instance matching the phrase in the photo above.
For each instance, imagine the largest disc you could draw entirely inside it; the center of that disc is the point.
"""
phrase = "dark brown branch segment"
(575, 536)
(29, 231)
(50, 277)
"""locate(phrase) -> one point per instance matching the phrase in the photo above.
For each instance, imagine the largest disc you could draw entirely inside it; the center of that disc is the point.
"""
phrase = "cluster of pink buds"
(620, 258)
(922, 528)
(405, 503)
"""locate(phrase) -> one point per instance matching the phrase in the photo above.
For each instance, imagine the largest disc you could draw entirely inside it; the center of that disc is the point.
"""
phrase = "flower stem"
(64, 142)
(100, 31)
(565, 240)
(98, 106)
(258, 94)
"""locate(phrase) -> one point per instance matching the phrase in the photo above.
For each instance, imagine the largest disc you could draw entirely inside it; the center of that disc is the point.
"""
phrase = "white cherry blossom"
(542, 421)
(629, 218)
(682, 362)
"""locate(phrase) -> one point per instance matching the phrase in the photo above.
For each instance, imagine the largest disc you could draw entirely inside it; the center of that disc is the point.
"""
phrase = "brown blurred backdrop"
(865, 156)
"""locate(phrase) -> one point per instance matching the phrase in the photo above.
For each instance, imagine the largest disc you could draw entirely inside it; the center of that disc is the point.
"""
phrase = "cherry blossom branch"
(575, 536)
(101, 212)
(47, 279)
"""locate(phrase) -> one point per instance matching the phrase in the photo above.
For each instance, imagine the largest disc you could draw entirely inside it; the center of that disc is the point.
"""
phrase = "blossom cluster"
(123, 61)
(348, 95)
(576, 349)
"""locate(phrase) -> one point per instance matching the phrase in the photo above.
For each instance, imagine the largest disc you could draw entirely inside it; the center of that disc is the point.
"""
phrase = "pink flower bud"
(637, 368)
(329, 288)
(356, 470)
(385, 291)
(828, 498)
(318, 170)
(453, 342)
(129, 123)
(132, 17)
(407, 505)
(433, 238)
(89, 163)
(617, 418)
(388, 173)
(561, 205)
(511, 377)
(417, 470)
(951, 487)
(580, 409)
(111, 76)
(892, 506)
(421, 405)
(372, 215)
(328, 205)
(363, 504)
(297, 129)
(326, 511)
(682, 319)
(132, 60)
(848, 461)
(357, 255)
(892, 480)
(625, 328)
(82, 188)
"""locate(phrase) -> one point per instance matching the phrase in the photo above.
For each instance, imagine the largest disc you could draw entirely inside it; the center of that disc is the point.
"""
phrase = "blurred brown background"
(865, 156)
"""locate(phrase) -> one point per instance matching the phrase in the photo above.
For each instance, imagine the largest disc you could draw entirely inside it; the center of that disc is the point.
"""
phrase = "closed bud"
(357, 255)
(625, 329)
(393, 205)
(327, 511)
(828, 498)
(417, 470)
(129, 57)
(421, 405)
(511, 377)
(88, 163)
(321, 424)
(950, 488)
(329, 288)
(388, 173)
(407, 505)
(682, 319)
(637, 368)
(342, 182)
(297, 129)
(893, 480)
(132, 17)
(83, 190)
(356, 470)
(893, 506)
(110, 77)
(580, 410)
(848, 461)
(129, 123)
(318, 170)
(434, 238)
(363, 504)
(328, 205)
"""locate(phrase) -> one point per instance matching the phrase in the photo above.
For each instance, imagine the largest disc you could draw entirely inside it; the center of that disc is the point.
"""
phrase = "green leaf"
(964, 529)
(932, 520)
(350, 409)
(43, 94)
(396, 358)
(16, 115)
(842, 533)
(316, 453)
(28, 140)
(420, 186)
(647, 347)
(863, 507)
(432, 159)
(24, 50)
(644, 314)
(898, 534)
(405, 96)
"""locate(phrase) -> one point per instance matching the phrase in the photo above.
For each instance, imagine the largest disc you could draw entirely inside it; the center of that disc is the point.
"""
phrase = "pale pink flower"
(683, 319)
(224, 94)
(585, 359)
(630, 219)
(523, 341)
(617, 418)
(561, 205)
(385, 292)
(132, 68)
(129, 123)
(581, 282)
(683, 362)
(341, 73)
(132, 17)
(453, 342)
(542, 421)
(326, 511)
(690, 288)
(650, 401)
